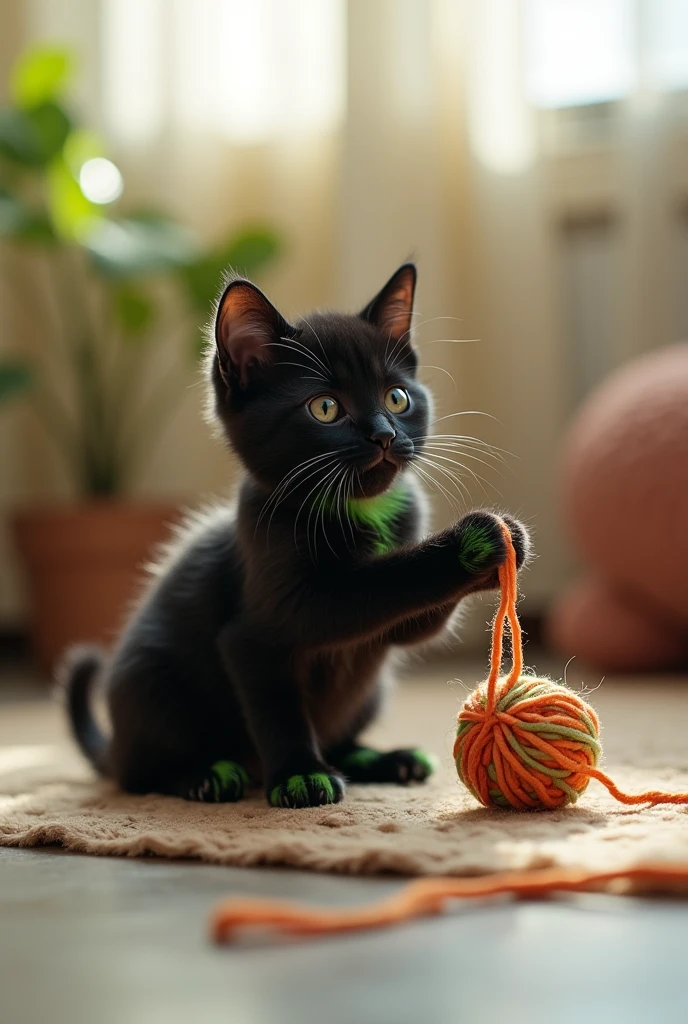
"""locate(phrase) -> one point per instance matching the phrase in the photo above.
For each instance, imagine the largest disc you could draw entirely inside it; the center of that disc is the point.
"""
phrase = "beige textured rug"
(47, 795)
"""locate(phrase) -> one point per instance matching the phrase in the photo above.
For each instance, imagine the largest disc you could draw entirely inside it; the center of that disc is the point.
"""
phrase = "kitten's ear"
(247, 325)
(391, 308)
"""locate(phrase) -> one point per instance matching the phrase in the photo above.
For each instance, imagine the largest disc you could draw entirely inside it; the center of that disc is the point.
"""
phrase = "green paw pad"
(477, 545)
(306, 791)
(229, 780)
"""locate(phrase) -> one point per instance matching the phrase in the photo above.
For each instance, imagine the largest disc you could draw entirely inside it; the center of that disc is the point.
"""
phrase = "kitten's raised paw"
(309, 790)
(482, 547)
(398, 766)
(224, 782)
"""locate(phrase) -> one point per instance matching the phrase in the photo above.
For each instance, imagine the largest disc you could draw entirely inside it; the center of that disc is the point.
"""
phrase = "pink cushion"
(625, 504)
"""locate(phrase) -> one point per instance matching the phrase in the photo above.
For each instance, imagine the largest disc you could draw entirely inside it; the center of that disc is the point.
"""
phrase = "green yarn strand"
(554, 732)
(553, 773)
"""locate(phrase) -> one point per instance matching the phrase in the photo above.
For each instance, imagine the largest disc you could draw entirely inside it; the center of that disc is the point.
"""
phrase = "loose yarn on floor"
(428, 896)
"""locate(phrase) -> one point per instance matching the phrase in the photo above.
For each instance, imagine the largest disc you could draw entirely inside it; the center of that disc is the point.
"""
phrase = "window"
(579, 52)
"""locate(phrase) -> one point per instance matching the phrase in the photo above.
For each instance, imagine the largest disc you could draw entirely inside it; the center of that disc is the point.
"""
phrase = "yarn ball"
(534, 752)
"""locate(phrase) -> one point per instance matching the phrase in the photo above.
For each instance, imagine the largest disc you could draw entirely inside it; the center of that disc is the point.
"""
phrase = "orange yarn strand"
(526, 742)
(428, 896)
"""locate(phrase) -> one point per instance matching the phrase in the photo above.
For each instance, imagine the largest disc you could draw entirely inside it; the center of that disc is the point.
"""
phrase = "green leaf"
(148, 215)
(134, 310)
(14, 379)
(82, 145)
(13, 214)
(19, 222)
(251, 249)
(246, 252)
(140, 245)
(39, 75)
(37, 230)
(32, 138)
(71, 213)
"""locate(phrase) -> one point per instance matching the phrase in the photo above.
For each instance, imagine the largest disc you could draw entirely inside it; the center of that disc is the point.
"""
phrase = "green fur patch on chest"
(379, 515)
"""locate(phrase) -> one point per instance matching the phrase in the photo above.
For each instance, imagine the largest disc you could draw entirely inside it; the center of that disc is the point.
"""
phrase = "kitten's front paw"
(310, 790)
(482, 548)
(364, 765)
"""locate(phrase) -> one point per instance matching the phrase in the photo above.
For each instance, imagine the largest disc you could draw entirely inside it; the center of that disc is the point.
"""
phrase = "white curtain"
(370, 131)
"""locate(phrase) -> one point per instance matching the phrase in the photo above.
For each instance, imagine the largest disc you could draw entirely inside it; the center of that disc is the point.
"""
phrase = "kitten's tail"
(76, 676)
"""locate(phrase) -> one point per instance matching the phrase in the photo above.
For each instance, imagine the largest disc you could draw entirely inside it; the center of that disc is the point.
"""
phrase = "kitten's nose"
(383, 435)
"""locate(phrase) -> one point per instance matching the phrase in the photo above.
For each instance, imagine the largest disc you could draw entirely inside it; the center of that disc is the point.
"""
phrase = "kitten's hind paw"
(364, 765)
(310, 790)
(224, 782)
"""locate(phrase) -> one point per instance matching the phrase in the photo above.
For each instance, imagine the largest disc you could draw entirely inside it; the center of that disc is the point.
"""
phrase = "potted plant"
(98, 289)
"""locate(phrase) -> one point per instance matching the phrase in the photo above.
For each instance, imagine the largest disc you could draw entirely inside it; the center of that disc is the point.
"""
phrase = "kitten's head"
(333, 400)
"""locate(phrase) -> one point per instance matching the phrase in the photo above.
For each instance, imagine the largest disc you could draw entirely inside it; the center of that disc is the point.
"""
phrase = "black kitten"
(259, 651)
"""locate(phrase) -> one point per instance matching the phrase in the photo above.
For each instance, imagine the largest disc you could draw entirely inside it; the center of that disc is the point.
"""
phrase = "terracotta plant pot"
(84, 566)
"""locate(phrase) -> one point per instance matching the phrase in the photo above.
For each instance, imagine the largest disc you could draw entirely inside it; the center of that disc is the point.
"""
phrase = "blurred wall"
(11, 483)
(545, 238)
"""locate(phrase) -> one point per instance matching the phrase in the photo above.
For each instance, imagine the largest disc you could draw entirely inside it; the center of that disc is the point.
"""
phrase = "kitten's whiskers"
(466, 452)
(313, 369)
(290, 482)
(326, 364)
(435, 460)
(318, 483)
(453, 478)
(324, 510)
(425, 477)
(463, 412)
(431, 366)
(317, 506)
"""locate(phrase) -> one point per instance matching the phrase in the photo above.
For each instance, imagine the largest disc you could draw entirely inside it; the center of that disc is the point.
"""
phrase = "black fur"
(264, 638)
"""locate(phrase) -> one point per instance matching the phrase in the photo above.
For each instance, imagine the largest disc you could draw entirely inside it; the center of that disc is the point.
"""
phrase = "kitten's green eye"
(397, 400)
(324, 408)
